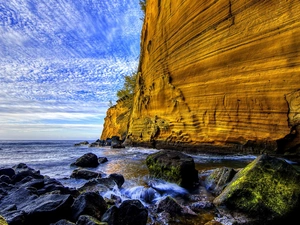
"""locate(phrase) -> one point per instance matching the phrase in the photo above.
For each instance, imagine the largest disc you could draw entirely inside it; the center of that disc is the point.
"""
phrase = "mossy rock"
(268, 189)
(3, 221)
(174, 167)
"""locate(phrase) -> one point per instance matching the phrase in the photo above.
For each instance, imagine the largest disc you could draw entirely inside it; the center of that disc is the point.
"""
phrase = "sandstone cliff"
(219, 73)
(116, 121)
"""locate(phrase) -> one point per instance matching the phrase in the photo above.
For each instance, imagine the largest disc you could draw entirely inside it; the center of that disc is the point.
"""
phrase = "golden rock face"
(221, 73)
(116, 121)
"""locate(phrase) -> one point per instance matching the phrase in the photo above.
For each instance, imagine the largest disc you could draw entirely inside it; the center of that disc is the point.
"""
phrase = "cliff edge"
(219, 74)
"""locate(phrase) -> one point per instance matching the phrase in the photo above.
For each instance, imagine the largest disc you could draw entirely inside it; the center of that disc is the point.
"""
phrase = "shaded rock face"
(267, 190)
(87, 160)
(222, 73)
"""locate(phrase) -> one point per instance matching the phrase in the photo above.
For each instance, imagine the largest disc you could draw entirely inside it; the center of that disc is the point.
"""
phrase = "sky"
(61, 63)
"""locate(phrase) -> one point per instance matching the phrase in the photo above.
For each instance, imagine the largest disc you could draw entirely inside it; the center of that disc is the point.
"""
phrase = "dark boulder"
(267, 191)
(130, 212)
(116, 142)
(85, 174)
(89, 220)
(174, 167)
(89, 203)
(81, 143)
(118, 178)
(170, 206)
(102, 160)
(87, 160)
(7, 171)
(63, 222)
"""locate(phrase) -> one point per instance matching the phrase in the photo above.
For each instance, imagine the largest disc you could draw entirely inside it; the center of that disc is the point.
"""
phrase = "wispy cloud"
(62, 61)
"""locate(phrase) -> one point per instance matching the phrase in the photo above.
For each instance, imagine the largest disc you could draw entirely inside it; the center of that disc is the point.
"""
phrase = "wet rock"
(118, 178)
(87, 160)
(102, 160)
(81, 143)
(5, 179)
(7, 171)
(170, 206)
(23, 171)
(47, 208)
(116, 142)
(218, 179)
(85, 174)
(89, 220)
(174, 167)
(198, 206)
(63, 222)
(267, 191)
(130, 212)
(89, 203)
(148, 195)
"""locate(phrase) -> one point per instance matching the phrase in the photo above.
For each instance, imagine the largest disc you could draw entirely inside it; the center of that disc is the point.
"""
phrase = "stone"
(118, 178)
(169, 205)
(218, 179)
(7, 171)
(89, 220)
(89, 203)
(102, 160)
(129, 212)
(87, 160)
(267, 190)
(173, 166)
(85, 174)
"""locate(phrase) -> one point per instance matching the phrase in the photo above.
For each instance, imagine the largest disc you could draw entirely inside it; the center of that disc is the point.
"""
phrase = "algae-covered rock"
(174, 167)
(2, 221)
(267, 190)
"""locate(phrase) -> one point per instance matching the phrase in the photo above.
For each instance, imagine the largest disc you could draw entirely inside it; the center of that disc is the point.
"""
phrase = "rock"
(23, 171)
(118, 178)
(116, 121)
(103, 184)
(85, 174)
(102, 160)
(89, 220)
(47, 208)
(2, 221)
(170, 206)
(267, 191)
(7, 171)
(195, 92)
(130, 212)
(63, 222)
(89, 203)
(81, 143)
(174, 167)
(87, 160)
(218, 179)
(116, 142)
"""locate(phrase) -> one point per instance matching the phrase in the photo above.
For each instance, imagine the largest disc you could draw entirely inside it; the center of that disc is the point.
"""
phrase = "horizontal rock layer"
(218, 73)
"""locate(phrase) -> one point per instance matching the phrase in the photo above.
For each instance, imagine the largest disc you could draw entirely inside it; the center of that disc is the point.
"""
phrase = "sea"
(54, 159)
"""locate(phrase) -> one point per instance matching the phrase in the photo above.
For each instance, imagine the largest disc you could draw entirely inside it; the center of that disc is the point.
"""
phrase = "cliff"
(116, 120)
(218, 74)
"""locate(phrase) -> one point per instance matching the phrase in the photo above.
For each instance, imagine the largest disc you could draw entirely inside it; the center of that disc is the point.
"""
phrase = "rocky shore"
(266, 191)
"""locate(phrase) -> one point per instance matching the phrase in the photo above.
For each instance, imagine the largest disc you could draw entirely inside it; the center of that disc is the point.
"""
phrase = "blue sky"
(61, 62)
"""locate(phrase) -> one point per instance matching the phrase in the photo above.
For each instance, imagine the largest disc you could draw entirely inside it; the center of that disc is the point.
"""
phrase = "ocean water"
(53, 158)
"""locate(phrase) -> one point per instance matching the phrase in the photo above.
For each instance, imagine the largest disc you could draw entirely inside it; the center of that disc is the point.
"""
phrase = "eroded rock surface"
(218, 73)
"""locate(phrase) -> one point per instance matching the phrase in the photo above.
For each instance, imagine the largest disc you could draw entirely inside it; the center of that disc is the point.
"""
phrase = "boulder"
(89, 220)
(89, 203)
(218, 179)
(174, 167)
(7, 171)
(130, 212)
(170, 206)
(116, 142)
(85, 174)
(267, 191)
(81, 143)
(87, 160)
(102, 160)
(63, 222)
